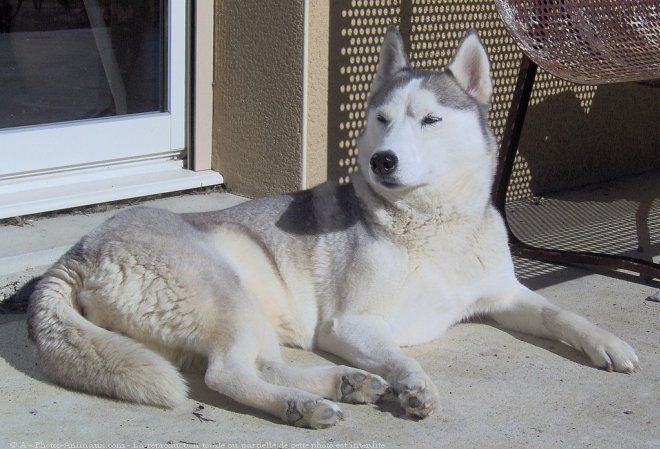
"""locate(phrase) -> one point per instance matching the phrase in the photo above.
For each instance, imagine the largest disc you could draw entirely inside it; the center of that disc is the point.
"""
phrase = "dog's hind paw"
(361, 387)
(313, 413)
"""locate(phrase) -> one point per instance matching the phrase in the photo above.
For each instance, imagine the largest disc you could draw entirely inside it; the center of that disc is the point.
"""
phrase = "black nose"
(383, 162)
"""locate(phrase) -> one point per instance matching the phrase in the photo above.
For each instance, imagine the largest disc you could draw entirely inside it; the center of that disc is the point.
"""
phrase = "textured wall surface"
(316, 145)
(570, 141)
(258, 91)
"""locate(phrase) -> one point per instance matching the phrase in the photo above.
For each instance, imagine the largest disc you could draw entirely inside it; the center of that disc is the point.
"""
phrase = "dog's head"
(427, 130)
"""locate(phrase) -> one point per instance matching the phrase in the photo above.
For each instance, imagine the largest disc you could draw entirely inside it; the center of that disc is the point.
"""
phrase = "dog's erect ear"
(392, 59)
(471, 68)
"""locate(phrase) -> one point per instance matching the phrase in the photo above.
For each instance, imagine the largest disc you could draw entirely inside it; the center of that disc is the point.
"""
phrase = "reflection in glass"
(64, 60)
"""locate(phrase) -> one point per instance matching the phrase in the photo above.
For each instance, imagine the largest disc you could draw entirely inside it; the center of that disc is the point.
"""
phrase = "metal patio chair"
(585, 42)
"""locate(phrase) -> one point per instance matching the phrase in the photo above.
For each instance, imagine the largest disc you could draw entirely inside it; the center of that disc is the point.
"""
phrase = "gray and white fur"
(410, 247)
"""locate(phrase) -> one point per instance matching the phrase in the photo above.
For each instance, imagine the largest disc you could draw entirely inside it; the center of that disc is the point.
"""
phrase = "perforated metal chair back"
(588, 41)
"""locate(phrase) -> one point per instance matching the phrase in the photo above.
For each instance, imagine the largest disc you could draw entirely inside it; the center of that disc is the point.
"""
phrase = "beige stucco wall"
(258, 95)
(611, 131)
(315, 148)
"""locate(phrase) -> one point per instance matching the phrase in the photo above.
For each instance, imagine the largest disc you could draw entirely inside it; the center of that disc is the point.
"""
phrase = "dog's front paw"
(313, 413)
(609, 352)
(361, 387)
(418, 396)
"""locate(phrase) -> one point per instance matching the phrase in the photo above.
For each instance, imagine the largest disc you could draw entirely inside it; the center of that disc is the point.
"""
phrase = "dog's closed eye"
(430, 120)
(381, 118)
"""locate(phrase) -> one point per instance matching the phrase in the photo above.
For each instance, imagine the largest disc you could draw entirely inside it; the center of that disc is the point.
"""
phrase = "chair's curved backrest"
(588, 41)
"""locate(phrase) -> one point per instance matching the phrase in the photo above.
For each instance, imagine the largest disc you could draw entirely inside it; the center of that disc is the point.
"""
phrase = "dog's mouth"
(391, 184)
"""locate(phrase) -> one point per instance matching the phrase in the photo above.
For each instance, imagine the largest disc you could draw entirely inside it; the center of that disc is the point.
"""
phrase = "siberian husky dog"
(410, 247)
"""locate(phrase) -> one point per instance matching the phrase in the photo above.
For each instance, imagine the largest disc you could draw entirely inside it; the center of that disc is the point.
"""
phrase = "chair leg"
(506, 158)
(512, 131)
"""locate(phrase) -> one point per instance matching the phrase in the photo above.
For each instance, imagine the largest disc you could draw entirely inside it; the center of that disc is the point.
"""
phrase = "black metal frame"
(507, 155)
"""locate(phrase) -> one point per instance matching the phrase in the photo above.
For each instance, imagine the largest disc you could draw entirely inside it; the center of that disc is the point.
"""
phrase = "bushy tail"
(78, 354)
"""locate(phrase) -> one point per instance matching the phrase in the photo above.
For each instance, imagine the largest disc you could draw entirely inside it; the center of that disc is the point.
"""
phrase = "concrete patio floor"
(499, 389)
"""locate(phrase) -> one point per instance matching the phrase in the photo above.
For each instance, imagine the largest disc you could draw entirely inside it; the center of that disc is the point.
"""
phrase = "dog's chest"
(436, 292)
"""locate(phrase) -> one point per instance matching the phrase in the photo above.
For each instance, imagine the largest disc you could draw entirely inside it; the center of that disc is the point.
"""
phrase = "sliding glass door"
(89, 83)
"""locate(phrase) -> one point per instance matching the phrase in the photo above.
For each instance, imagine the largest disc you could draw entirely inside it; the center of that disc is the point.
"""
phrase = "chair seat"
(588, 41)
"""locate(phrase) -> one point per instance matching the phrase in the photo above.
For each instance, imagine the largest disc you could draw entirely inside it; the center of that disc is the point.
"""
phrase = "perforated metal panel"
(357, 28)
(437, 28)
(434, 29)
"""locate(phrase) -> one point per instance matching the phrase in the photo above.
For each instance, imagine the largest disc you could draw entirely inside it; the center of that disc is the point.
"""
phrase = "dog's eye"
(430, 120)
(382, 119)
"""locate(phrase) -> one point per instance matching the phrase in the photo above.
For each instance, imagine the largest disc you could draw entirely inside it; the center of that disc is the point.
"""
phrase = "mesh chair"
(585, 42)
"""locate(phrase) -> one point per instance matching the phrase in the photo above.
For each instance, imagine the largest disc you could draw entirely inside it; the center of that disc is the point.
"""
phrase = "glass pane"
(63, 60)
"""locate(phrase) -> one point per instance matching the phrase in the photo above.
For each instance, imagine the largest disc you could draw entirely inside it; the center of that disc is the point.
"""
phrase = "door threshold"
(99, 185)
